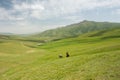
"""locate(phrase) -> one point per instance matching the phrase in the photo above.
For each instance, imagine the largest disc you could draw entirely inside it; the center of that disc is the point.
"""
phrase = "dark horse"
(67, 54)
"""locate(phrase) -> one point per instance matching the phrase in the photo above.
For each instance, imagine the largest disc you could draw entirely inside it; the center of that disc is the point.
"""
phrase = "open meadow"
(93, 56)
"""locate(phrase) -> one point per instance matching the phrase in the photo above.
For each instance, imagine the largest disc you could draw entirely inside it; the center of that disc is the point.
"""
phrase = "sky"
(30, 16)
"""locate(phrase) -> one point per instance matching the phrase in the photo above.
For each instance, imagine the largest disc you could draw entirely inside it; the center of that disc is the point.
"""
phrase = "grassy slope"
(93, 56)
(77, 29)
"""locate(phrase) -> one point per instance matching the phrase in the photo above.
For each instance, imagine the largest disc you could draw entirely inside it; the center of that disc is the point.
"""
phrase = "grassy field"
(93, 56)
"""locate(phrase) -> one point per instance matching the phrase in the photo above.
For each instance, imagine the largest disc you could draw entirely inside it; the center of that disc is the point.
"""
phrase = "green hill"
(77, 29)
(93, 56)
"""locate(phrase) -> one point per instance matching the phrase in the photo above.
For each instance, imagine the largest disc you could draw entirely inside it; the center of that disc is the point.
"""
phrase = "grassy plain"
(93, 56)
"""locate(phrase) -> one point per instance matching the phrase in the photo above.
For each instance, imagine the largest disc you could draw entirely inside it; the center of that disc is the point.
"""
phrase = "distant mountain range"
(77, 29)
(3, 33)
(72, 30)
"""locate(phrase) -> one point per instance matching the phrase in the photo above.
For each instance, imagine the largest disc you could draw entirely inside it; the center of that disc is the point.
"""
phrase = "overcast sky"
(29, 16)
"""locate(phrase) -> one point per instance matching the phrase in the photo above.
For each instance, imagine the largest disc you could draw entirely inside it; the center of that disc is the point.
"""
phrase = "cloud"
(7, 4)
(63, 8)
(4, 14)
(117, 11)
(33, 15)
(20, 11)
(45, 9)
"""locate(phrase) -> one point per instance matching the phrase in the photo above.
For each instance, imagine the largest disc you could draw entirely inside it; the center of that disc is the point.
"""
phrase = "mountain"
(72, 30)
(3, 33)
(77, 29)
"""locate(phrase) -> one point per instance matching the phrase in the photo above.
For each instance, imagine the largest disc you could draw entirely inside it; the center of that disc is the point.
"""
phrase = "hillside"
(72, 30)
(8, 37)
(93, 56)
(77, 29)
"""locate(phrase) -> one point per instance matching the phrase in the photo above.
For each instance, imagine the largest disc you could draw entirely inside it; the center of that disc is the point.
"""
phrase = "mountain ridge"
(77, 29)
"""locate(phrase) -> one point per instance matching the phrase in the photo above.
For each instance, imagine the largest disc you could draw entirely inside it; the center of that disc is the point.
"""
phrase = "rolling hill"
(94, 49)
(93, 56)
(74, 30)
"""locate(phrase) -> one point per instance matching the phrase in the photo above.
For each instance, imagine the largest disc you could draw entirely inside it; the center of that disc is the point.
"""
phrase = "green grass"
(95, 57)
